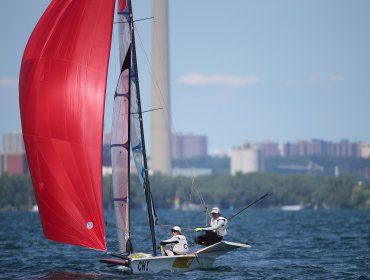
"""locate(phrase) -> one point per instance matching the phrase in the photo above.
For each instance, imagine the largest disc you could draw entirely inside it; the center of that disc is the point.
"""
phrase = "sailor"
(215, 232)
(176, 245)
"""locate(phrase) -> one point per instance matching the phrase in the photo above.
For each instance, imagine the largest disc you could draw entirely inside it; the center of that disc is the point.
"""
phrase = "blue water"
(308, 244)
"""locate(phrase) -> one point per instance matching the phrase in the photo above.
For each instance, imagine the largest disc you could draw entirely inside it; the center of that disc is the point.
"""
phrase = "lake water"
(307, 244)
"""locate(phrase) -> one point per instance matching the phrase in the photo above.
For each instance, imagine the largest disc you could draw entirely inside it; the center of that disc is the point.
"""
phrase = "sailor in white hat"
(215, 232)
(176, 245)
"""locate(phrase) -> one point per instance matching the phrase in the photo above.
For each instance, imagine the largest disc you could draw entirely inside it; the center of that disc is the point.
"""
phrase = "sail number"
(143, 266)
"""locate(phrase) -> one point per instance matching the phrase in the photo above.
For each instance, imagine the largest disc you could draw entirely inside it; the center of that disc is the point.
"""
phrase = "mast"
(148, 195)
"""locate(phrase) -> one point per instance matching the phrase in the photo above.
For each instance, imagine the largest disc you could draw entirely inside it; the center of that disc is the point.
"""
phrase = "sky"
(251, 70)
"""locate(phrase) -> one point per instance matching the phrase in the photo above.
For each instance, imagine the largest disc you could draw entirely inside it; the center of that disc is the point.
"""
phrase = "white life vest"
(176, 244)
(182, 246)
(220, 225)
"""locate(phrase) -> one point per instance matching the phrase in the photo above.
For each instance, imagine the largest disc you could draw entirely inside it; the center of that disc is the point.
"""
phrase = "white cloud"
(327, 77)
(7, 83)
(226, 80)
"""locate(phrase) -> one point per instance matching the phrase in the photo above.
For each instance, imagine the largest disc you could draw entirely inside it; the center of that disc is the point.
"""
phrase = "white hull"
(174, 263)
(203, 258)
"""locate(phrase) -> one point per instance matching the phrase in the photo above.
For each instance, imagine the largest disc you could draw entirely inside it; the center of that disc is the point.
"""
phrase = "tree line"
(225, 191)
(240, 190)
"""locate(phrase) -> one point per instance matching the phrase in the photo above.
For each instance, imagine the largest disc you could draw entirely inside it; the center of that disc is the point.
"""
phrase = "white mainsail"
(127, 133)
(120, 141)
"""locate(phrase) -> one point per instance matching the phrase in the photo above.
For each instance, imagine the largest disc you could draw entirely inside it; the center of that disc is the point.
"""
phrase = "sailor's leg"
(169, 253)
(163, 250)
(212, 238)
(166, 250)
(201, 240)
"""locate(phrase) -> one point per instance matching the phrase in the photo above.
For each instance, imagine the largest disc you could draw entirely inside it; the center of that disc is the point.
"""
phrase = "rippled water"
(285, 245)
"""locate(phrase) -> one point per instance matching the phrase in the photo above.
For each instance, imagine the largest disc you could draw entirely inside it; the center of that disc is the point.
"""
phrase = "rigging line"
(153, 79)
(170, 226)
(141, 19)
(146, 111)
(245, 208)
(200, 196)
(137, 244)
(155, 83)
(192, 189)
(163, 232)
(161, 97)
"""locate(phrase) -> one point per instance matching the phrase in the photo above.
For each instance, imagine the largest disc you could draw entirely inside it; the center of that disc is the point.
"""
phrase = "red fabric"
(61, 93)
(122, 6)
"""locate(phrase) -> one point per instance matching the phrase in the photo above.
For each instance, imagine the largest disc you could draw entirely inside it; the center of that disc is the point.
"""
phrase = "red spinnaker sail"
(61, 93)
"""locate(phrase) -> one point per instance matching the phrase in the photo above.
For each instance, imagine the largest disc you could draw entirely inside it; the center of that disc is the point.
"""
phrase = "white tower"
(160, 119)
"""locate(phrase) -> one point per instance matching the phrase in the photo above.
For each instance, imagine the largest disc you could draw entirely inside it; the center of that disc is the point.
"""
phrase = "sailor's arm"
(170, 241)
(220, 223)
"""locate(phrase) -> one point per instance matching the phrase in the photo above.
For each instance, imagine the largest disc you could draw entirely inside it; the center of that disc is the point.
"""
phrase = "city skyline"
(249, 157)
(281, 71)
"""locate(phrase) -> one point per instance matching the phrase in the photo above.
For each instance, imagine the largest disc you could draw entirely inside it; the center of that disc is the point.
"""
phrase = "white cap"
(215, 210)
(176, 228)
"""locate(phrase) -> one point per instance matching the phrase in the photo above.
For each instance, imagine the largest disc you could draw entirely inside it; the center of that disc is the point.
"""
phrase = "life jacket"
(222, 231)
(182, 246)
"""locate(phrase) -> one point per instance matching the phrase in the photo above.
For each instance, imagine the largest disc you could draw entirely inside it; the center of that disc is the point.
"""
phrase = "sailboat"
(62, 89)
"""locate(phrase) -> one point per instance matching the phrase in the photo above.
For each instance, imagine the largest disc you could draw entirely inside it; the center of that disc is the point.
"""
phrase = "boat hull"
(203, 258)
(174, 263)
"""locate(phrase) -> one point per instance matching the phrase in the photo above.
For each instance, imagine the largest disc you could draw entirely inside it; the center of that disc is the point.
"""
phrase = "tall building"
(364, 148)
(13, 160)
(320, 147)
(245, 159)
(269, 149)
(13, 143)
(189, 145)
(160, 119)
(14, 164)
